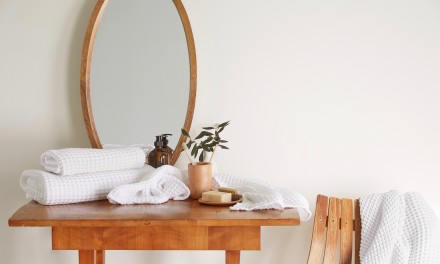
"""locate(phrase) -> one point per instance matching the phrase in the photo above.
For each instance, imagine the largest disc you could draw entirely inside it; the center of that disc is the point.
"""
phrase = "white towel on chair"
(86, 160)
(163, 184)
(398, 229)
(49, 189)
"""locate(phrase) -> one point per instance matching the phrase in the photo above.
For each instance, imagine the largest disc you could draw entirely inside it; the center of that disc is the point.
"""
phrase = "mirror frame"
(86, 60)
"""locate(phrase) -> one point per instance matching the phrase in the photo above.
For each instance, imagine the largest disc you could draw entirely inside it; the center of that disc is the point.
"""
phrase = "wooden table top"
(173, 213)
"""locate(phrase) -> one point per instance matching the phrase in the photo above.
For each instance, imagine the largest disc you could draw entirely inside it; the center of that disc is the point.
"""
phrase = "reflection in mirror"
(140, 73)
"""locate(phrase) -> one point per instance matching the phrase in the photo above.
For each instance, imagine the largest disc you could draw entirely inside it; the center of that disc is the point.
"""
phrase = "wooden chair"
(335, 215)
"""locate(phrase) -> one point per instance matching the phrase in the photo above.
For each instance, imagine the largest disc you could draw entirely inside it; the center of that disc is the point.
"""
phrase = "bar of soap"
(228, 190)
(218, 197)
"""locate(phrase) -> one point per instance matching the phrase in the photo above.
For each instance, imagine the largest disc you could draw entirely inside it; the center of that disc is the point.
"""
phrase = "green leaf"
(208, 148)
(223, 141)
(208, 128)
(188, 145)
(194, 151)
(221, 129)
(202, 156)
(206, 141)
(223, 147)
(185, 133)
(199, 136)
(213, 144)
(203, 134)
(197, 152)
(224, 124)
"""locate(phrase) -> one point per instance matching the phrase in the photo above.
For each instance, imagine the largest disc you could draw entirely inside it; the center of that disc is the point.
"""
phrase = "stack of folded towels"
(120, 175)
(80, 175)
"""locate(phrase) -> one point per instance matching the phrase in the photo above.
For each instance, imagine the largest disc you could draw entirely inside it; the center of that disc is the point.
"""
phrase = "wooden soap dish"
(235, 199)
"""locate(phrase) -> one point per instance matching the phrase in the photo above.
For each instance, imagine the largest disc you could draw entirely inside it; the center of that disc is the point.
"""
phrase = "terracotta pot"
(199, 178)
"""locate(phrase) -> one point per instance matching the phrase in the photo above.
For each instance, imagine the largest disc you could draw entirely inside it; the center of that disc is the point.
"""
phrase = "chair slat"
(331, 244)
(346, 247)
(357, 231)
(318, 236)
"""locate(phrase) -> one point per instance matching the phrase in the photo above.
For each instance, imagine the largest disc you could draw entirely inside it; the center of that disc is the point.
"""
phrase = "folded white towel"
(398, 228)
(86, 160)
(168, 182)
(146, 148)
(49, 189)
(163, 184)
(258, 195)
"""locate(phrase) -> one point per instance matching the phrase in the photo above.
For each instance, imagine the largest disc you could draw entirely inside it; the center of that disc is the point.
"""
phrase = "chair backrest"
(335, 215)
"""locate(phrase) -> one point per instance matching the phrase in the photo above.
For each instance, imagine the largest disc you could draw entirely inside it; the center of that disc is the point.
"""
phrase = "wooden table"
(94, 227)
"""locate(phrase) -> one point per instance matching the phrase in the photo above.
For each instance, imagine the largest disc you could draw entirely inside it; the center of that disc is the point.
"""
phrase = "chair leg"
(232, 256)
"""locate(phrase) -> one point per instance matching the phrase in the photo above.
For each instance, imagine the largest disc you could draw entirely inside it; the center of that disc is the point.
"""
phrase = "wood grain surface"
(156, 238)
(346, 244)
(331, 242)
(176, 213)
(318, 235)
(337, 216)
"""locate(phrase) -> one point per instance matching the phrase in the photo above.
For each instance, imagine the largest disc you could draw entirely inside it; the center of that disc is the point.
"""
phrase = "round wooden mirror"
(138, 73)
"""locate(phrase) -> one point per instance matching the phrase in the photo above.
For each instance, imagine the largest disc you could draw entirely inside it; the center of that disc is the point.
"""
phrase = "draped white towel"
(50, 189)
(168, 182)
(86, 160)
(398, 229)
(162, 184)
(258, 195)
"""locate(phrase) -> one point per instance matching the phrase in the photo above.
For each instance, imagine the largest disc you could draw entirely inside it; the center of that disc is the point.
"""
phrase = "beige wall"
(334, 97)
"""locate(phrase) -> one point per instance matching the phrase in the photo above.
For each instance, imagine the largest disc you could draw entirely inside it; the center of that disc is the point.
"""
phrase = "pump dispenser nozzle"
(165, 139)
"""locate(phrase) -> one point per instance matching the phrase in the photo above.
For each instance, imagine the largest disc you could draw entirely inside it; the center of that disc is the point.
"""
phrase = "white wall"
(334, 97)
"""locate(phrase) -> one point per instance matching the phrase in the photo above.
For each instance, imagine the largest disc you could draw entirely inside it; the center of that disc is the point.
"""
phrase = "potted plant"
(197, 149)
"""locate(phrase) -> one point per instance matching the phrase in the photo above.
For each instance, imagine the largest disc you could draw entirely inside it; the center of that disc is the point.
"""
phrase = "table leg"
(232, 256)
(91, 257)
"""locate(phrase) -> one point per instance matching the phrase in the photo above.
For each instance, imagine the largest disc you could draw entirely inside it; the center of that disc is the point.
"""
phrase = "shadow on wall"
(71, 99)
(22, 142)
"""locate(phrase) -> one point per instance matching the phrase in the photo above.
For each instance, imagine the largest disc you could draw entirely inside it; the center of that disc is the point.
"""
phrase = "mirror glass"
(140, 73)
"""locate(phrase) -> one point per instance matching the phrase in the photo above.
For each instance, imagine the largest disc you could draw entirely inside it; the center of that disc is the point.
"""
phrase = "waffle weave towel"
(168, 182)
(398, 229)
(258, 195)
(86, 160)
(162, 184)
(146, 148)
(50, 189)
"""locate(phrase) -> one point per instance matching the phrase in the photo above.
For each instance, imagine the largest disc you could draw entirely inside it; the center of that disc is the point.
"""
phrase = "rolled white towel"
(50, 189)
(86, 160)
(146, 148)
(165, 183)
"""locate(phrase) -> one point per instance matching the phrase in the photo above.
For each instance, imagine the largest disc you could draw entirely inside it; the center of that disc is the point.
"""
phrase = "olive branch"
(206, 141)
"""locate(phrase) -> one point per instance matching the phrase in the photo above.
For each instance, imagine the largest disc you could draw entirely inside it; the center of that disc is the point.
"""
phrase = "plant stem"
(213, 152)
(185, 149)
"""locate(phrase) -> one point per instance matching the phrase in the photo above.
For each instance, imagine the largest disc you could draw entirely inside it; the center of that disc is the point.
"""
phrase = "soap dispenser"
(159, 156)
(166, 148)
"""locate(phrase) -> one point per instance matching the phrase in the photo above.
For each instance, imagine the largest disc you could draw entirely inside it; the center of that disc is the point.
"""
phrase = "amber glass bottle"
(165, 146)
(160, 155)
